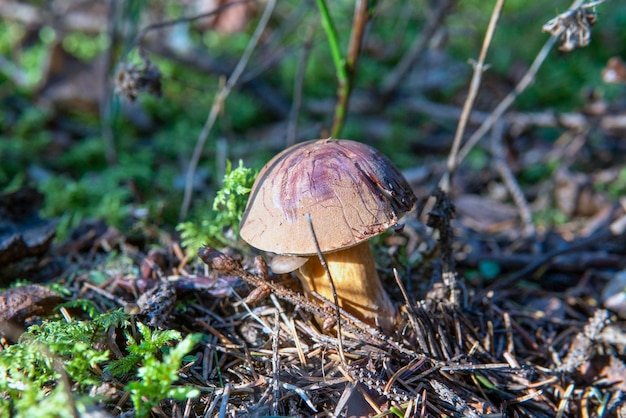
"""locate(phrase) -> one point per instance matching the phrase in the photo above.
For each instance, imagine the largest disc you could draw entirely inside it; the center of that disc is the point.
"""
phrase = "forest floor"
(509, 278)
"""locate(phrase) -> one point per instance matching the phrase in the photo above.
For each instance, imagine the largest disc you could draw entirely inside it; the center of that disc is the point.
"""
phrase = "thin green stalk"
(333, 42)
(340, 68)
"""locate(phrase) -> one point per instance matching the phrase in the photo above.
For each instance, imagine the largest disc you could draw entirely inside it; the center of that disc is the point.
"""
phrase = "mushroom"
(351, 193)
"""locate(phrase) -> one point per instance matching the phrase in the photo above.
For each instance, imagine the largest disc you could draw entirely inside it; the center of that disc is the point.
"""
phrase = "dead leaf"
(19, 303)
(608, 368)
(157, 304)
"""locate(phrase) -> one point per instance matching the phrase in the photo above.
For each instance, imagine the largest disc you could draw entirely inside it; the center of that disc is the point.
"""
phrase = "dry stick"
(497, 151)
(479, 67)
(409, 306)
(361, 17)
(347, 393)
(523, 84)
(508, 100)
(332, 285)
(225, 398)
(292, 122)
(219, 102)
(275, 365)
(187, 411)
(393, 79)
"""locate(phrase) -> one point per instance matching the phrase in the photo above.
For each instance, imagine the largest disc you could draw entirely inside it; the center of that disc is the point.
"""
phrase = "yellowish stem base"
(358, 287)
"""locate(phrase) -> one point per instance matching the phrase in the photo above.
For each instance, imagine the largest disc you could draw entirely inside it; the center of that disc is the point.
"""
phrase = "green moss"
(62, 358)
(220, 226)
(85, 46)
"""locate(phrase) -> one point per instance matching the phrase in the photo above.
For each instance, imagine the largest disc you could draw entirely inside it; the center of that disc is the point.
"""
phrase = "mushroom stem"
(358, 287)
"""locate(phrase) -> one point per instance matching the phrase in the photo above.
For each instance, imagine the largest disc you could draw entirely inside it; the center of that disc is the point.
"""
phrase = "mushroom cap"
(351, 191)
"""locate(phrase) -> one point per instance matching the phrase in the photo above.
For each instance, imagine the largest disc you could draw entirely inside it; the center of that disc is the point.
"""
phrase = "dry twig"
(218, 104)
(521, 86)
(332, 286)
(359, 23)
(506, 174)
(479, 67)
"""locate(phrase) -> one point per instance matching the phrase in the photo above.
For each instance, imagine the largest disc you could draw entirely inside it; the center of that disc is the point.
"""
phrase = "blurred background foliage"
(57, 111)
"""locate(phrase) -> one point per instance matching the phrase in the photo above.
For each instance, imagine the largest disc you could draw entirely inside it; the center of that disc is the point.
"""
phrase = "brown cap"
(352, 192)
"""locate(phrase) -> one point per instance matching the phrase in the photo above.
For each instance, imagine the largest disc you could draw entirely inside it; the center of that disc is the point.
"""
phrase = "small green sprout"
(156, 377)
(221, 225)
